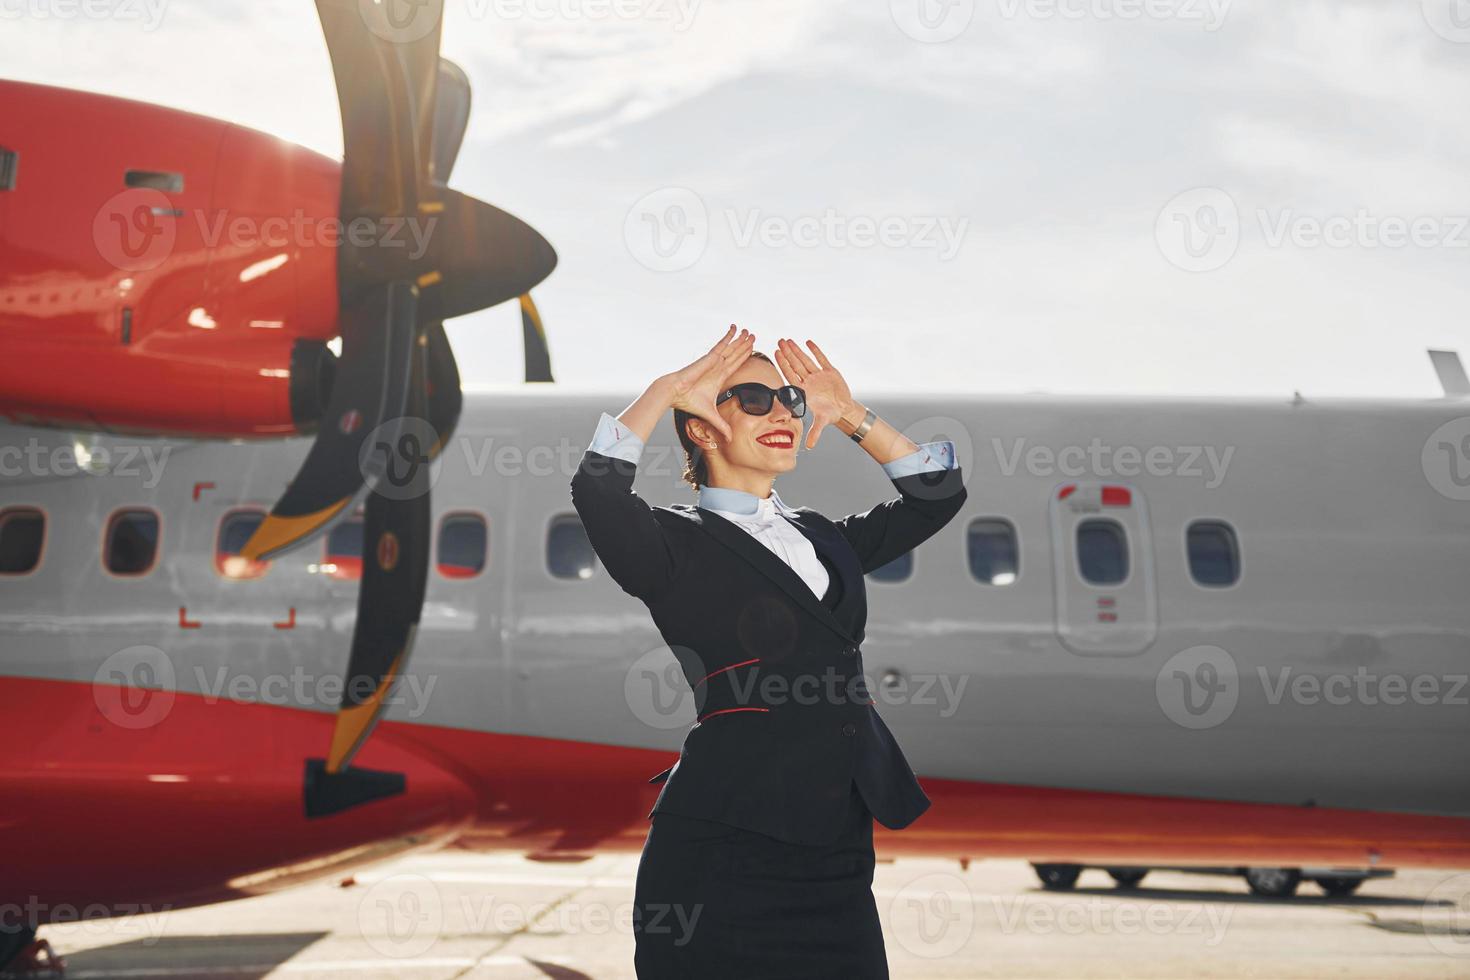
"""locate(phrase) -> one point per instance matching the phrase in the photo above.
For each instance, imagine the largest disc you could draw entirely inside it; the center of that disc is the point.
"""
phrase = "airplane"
(213, 576)
(1028, 657)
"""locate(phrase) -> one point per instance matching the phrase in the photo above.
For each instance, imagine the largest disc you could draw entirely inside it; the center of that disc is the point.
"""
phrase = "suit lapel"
(766, 562)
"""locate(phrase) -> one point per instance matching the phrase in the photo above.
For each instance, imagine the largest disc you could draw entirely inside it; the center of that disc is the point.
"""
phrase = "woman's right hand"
(693, 389)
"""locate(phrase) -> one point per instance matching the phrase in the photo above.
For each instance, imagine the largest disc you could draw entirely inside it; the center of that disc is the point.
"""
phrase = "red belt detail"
(743, 663)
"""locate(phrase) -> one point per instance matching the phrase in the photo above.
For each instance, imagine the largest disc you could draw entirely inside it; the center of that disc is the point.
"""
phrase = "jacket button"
(850, 651)
(849, 729)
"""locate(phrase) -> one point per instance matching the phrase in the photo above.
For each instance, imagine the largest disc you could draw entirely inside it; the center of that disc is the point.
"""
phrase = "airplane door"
(1106, 603)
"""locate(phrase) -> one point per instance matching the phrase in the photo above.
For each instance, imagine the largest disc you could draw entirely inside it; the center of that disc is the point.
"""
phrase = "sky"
(1197, 197)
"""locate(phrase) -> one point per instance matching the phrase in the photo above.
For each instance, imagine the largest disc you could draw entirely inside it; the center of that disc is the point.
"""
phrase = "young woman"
(759, 860)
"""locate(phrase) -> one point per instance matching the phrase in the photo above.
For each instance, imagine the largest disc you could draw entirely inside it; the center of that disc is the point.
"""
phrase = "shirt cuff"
(930, 457)
(614, 438)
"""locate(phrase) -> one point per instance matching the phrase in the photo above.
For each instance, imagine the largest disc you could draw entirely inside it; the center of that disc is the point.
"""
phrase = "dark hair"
(696, 467)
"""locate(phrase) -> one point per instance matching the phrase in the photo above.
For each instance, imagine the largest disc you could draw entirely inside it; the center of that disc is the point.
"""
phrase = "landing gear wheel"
(1273, 882)
(1058, 877)
(1339, 887)
(1127, 878)
(11, 944)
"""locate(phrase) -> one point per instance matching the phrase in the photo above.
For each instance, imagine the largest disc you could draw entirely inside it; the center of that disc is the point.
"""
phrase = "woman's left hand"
(827, 396)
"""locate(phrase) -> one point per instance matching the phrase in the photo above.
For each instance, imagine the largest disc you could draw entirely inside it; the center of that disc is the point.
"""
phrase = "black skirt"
(714, 901)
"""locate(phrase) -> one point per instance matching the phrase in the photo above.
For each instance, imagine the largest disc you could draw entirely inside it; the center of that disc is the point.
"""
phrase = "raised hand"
(827, 396)
(695, 387)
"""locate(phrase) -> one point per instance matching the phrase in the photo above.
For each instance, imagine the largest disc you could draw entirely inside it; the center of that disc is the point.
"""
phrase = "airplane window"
(1214, 553)
(234, 531)
(994, 557)
(22, 533)
(569, 552)
(1102, 552)
(463, 542)
(895, 571)
(132, 542)
(344, 549)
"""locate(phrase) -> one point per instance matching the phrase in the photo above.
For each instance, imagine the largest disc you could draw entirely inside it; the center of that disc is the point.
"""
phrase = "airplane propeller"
(396, 398)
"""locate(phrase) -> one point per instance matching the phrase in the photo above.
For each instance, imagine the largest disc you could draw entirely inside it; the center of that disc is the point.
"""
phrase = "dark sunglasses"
(757, 399)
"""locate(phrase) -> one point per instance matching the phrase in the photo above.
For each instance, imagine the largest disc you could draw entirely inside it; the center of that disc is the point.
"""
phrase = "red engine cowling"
(160, 271)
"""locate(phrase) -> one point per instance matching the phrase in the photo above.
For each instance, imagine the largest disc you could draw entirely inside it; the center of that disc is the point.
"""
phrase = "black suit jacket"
(785, 721)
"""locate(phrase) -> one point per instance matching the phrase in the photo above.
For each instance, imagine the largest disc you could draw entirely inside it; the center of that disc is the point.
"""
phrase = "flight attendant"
(759, 860)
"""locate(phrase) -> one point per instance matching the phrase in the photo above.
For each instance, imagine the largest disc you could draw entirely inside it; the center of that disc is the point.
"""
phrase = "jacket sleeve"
(641, 555)
(931, 487)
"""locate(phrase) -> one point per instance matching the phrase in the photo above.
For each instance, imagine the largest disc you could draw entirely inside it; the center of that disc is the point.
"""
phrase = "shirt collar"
(742, 503)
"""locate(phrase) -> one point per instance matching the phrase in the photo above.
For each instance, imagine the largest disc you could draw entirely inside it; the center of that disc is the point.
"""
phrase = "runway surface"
(460, 915)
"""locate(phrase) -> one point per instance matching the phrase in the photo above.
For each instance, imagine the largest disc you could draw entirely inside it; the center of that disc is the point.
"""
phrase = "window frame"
(263, 564)
(889, 582)
(1235, 543)
(444, 519)
(45, 536)
(337, 574)
(965, 549)
(546, 549)
(107, 540)
(1127, 551)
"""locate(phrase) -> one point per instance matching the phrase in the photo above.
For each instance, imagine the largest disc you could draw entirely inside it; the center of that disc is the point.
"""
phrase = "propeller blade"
(395, 570)
(444, 396)
(385, 57)
(533, 342)
(372, 386)
(451, 119)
